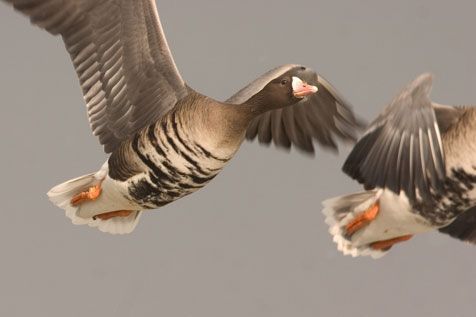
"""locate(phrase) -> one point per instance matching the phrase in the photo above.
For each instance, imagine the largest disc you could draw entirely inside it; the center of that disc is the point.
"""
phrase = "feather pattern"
(165, 162)
(120, 54)
(319, 117)
(402, 148)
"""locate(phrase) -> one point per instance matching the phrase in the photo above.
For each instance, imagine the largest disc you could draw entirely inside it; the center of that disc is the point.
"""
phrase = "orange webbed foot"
(362, 220)
(385, 245)
(91, 194)
(112, 214)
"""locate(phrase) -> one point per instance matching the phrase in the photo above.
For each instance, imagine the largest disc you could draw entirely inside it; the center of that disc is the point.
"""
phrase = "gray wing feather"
(319, 117)
(402, 148)
(120, 54)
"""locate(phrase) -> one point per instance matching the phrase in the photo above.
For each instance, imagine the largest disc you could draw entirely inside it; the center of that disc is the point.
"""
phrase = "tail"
(62, 194)
(340, 211)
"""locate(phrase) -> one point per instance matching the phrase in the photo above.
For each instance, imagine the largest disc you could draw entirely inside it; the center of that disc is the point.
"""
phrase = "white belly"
(394, 219)
(112, 198)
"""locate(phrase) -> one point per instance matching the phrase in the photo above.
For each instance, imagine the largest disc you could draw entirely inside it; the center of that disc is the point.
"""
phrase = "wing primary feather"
(438, 137)
(390, 167)
(264, 129)
(121, 58)
(422, 156)
(410, 190)
(435, 179)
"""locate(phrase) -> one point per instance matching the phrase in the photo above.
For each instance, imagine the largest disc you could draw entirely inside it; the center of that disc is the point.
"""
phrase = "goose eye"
(284, 82)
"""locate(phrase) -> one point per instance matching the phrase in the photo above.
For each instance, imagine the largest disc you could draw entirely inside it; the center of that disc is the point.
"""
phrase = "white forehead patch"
(297, 82)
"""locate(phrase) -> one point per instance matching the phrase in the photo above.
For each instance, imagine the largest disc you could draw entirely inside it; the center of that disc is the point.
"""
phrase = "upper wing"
(402, 148)
(318, 117)
(122, 59)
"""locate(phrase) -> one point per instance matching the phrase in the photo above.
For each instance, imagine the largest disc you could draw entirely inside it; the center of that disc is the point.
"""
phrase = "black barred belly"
(158, 189)
(456, 198)
(161, 182)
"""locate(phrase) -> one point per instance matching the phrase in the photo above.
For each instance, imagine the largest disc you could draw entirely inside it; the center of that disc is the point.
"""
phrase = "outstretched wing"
(320, 117)
(402, 148)
(122, 59)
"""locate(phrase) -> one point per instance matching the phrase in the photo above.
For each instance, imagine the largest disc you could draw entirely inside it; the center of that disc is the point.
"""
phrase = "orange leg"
(91, 194)
(112, 214)
(387, 244)
(362, 220)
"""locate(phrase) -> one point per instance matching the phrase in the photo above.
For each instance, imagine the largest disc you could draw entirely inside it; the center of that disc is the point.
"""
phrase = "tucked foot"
(91, 194)
(385, 245)
(112, 214)
(361, 220)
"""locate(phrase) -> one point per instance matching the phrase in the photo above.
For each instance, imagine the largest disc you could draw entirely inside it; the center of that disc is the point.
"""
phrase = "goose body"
(417, 161)
(166, 140)
(458, 192)
(178, 154)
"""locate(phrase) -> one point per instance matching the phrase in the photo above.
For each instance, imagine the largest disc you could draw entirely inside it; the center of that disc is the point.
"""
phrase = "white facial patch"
(297, 82)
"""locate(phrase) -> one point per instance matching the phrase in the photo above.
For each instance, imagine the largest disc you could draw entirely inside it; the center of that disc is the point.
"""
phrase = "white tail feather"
(62, 194)
(340, 211)
(395, 219)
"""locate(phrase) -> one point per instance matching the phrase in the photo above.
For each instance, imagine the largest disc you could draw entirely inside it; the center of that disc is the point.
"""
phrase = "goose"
(164, 139)
(417, 162)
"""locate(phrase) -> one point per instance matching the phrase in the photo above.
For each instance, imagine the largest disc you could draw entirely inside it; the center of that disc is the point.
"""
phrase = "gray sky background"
(254, 242)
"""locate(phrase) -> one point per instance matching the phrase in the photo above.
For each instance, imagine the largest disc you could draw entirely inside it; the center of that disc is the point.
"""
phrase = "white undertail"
(109, 200)
(394, 219)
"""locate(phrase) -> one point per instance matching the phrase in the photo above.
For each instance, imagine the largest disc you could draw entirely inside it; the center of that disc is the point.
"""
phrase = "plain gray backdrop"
(253, 242)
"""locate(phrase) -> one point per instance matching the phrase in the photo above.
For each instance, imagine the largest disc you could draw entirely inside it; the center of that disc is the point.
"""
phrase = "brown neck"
(234, 119)
(226, 124)
(257, 104)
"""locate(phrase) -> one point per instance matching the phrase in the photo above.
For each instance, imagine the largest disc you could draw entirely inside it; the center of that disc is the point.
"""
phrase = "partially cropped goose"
(417, 161)
(165, 139)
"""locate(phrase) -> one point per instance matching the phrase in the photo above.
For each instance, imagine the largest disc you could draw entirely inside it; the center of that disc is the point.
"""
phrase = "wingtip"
(422, 84)
(425, 76)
